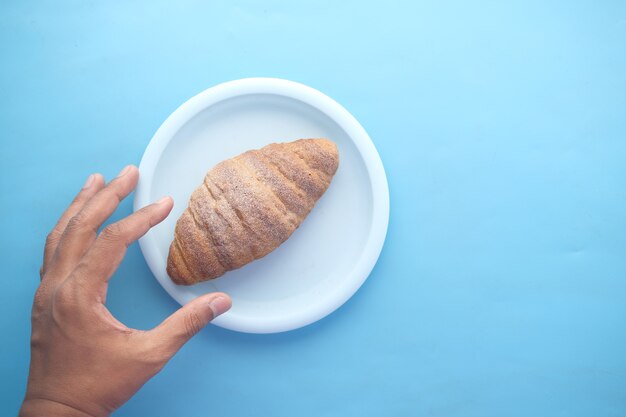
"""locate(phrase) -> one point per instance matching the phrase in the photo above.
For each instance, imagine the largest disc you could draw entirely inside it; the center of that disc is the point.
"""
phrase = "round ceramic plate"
(333, 251)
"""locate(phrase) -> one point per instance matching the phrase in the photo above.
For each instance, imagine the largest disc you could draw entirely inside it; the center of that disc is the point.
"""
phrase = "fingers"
(82, 228)
(105, 255)
(181, 326)
(94, 183)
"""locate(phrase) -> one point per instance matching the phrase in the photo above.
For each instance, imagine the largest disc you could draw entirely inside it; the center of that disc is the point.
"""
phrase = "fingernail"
(124, 171)
(163, 200)
(219, 305)
(89, 181)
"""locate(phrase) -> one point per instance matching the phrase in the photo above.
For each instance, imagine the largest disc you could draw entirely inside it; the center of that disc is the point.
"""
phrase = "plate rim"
(323, 103)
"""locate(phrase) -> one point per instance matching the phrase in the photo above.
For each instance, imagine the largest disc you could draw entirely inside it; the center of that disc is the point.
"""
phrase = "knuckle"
(113, 232)
(53, 237)
(144, 212)
(114, 190)
(76, 223)
(150, 216)
(192, 324)
(65, 298)
(40, 297)
(37, 339)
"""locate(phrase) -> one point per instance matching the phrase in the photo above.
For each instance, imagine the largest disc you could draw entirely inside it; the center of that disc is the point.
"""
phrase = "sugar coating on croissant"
(247, 206)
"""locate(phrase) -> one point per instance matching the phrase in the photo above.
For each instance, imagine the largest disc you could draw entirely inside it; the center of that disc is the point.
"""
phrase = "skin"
(84, 362)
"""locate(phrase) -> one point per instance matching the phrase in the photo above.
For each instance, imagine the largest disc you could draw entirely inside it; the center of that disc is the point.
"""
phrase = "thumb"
(182, 325)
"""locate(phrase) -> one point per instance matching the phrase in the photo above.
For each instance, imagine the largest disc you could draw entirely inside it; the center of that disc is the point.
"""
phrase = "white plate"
(333, 251)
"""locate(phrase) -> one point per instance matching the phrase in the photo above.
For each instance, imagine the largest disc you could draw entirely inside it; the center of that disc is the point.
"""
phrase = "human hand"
(84, 362)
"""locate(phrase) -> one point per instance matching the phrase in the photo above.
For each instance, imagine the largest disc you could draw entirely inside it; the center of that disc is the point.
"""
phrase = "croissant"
(247, 206)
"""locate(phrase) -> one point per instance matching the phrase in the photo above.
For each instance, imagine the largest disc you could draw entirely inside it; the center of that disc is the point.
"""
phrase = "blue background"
(501, 290)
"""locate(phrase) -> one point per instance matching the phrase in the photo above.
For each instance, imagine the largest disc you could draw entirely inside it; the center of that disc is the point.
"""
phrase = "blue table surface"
(501, 289)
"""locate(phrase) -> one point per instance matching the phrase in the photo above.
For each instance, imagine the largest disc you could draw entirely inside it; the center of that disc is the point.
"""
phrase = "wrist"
(39, 407)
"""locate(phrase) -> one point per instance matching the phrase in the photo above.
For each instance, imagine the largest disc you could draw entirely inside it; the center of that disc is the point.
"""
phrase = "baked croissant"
(247, 206)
